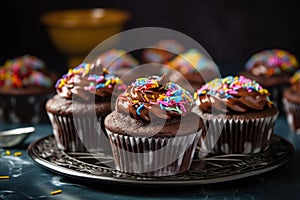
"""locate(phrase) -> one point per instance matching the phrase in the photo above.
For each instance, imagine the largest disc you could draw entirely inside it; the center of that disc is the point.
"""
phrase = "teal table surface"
(30, 181)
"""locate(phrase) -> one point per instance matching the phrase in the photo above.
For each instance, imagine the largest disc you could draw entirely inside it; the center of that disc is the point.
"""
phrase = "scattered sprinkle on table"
(56, 192)
(4, 177)
(18, 153)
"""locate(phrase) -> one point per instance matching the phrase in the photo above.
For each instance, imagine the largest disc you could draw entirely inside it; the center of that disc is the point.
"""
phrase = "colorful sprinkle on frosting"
(23, 72)
(276, 61)
(295, 79)
(154, 95)
(236, 92)
(85, 77)
(172, 99)
(229, 86)
(192, 61)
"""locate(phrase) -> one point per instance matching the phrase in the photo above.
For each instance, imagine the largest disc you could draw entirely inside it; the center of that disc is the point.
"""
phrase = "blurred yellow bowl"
(76, 32)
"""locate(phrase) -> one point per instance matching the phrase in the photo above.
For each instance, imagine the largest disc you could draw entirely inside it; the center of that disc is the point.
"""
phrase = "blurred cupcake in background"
(25, 85)
(117, 61)
(291, 101)
(162, 51)
(77, 112)
(193, 66)
(272, 69)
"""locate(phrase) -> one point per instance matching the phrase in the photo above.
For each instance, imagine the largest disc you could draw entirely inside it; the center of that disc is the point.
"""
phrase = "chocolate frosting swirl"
(232, 94)
(86, 82)
(154, 97)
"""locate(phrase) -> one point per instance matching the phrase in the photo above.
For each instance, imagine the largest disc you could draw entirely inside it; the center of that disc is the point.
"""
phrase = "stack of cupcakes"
(152, 132)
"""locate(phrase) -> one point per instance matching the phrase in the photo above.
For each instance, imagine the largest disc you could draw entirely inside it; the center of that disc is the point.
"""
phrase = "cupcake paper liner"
(153, 156)
(238, 136)
(24, 109)
(77, 134)
(293, 115)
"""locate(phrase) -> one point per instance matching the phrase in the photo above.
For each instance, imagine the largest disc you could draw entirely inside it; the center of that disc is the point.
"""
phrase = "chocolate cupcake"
(25, 86)
(162, 51)
(78, 110)
(291, 101)
(193, 66)
(272, 69)
(117, 61)
(238, 115)
(152, 132)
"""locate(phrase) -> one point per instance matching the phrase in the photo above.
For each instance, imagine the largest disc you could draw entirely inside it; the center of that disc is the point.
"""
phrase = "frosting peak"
(85, 79)
(154, 96)
(237, 94)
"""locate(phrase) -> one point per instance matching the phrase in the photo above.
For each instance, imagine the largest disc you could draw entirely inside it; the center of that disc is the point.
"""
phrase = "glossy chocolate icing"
(231, 98)
(141, 101)
(82, 82)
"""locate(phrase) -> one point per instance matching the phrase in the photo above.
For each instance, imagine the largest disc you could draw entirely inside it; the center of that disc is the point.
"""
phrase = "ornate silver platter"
(213, 169)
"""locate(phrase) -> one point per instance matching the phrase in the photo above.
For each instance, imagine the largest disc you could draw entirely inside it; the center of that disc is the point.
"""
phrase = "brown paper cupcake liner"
(292, 111)
(238, 136)
(153, 156)
(77, 134)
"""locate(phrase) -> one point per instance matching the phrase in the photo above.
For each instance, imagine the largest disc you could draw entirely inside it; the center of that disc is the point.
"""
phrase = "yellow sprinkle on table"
(7, 152)
(18, 153)
(56, 192)
(4, 177)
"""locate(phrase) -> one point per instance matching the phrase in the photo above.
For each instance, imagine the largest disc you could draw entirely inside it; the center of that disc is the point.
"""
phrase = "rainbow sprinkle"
(295, 79)
(174, 98)
(229, 86)
(276, 60)
(95, 81)
(24, 71)
(192, 61)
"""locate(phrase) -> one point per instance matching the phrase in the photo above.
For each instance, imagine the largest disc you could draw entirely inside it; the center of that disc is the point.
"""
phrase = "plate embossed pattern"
(212, 169)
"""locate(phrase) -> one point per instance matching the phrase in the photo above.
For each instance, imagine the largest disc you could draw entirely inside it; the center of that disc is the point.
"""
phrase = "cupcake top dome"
(88, 79)
(272, 62)
(116, 59)
(25, 71)
(232, 94)
(191, 61)
(154, 96)
(163, 51)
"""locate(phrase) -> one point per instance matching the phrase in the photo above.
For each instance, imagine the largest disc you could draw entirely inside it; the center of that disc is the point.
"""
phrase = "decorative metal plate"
(213, 169)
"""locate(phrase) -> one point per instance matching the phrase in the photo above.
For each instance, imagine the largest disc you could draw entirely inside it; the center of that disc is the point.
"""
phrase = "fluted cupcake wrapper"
(77, 134)
(237, 136)
(153, 156)
(292, 111)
